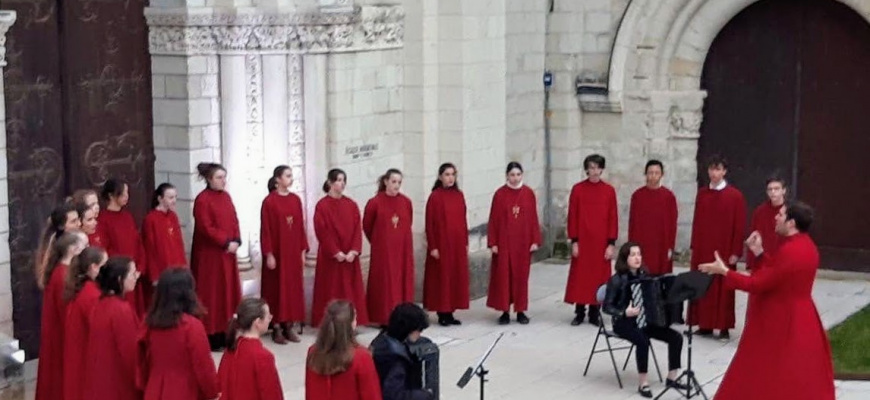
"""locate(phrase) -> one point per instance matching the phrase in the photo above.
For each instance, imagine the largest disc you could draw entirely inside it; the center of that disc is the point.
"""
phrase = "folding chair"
(609, 335)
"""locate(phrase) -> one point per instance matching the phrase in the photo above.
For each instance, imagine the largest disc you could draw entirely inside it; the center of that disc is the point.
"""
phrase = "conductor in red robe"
(161, 234)
(652, 220)
(337, 226)
(216, 239)
(592, 228)
(121, 236)
(387, 225)
(446, 282)
(784, 351)
(513, 234)
(718, 225)
(763, 219)
(283, 243)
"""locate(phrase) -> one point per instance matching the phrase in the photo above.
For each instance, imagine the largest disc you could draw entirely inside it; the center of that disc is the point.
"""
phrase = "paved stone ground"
(545, 359)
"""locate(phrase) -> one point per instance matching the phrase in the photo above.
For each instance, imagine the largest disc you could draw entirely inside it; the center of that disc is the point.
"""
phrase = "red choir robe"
(111, 352)
(784, 351)
(592, 224)
(49, 378)
(96, 239)
(216, 270)
(445, 281)
(75, 340)
(719, 225)
(359, 382)
(763, 221)
(163, 242)
(282, 234)
(652, 223)
(176, 363)
(387, 224)
(249, 373)
(337, 227)
(514, 228)
(121, 238)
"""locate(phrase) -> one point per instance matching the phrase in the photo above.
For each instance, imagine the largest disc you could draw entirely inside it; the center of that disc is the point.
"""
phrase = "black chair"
(609, 334)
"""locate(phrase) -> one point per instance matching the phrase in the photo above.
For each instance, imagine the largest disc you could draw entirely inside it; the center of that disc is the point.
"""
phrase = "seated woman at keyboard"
(623, 300)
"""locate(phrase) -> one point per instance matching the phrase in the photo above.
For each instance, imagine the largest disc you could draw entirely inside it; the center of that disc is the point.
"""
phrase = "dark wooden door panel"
(107, 96)
(35, 150)
(789, 92)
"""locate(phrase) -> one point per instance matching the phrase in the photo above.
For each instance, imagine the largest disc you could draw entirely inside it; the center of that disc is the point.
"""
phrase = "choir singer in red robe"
(111, 353)
(784, 351)
(121, 236)
(63, 219)
(87, 198)
(174, 358)
(337, 367)
(592, 228)
(718, 225)
(247, 370)
(49, 378)
(513, 234)
(82, 293)
(161, 234)
(387, 224)
(283, 243)
(338, 230)
(446, 282)
(652, 221)
(764, 219)
(216, 239)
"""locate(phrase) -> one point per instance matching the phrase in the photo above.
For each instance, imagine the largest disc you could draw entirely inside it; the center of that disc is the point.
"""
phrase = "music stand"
(688, 286)
(478, 369)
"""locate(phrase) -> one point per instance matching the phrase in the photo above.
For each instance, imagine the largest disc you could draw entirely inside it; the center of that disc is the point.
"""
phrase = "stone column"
(7, 18)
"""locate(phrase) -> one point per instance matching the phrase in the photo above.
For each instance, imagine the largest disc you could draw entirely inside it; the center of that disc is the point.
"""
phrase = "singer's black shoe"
(676, 385)
(578, 319)
(453, 321)
(644, 391)
(522, 319)
(504, 319)
(444, 319)
(704, 332)
(724, 335)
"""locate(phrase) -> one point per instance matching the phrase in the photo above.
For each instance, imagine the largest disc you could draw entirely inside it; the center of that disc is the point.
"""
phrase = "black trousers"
(628, 330)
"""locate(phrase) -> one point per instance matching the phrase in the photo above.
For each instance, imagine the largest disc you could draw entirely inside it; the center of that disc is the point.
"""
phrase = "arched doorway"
(789, 94)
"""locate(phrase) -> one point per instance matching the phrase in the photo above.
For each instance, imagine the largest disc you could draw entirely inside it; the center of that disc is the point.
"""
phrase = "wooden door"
(787, 95)
(78, 110)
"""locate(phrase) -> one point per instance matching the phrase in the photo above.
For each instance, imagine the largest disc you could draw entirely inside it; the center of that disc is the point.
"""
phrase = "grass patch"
(849, 346)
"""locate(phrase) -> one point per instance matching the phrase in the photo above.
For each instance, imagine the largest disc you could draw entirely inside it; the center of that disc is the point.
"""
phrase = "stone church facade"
(366, 85)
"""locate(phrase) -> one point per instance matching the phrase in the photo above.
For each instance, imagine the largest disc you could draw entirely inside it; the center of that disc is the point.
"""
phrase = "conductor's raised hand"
(716, 267)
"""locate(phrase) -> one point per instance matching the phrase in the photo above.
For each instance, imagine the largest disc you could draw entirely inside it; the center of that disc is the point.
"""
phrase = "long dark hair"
(160, 192)
(112, 275)
(77, 274)
(621, 265)
(331, 177)
(59, 250)
(335, 345)
(276, 173)
(174, 296)
(248, 311)
(112, 188)
(382, 181)
(441, 170)
(54, 228)
(207, 170)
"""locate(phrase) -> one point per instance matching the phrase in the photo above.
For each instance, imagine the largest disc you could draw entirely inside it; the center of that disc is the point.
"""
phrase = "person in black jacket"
(400, 372)
(622, 301)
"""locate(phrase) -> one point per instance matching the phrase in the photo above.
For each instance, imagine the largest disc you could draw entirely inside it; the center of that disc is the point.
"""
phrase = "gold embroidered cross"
(290, 220)
(516, 210)
(395, 220)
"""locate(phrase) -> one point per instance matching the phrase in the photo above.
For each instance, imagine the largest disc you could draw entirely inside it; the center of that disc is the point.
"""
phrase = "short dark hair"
(621, 265)
(406, 318)
(775, 178)
(651, 163)
(593, 158)
(716, 160)
(801, 213)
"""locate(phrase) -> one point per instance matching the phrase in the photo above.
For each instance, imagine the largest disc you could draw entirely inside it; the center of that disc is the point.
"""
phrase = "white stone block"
(198, 64)
(396, 101)
(177, 87)
(597, 22)
(6, 305)
(168, 65)
(4, 192)
(158, 86)
(4, 249)
(4, 221)
(362, 102)
(204, 111)
(211, 136)
(171, 112)
(188, 185)
(5, 281)
(365, 78)
(380, 101)
(340, 105)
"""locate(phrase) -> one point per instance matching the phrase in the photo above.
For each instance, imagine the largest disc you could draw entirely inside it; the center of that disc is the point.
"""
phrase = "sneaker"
(504, 319)
(522, 318)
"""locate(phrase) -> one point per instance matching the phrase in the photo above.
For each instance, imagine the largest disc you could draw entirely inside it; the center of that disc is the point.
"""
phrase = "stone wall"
(7, 19)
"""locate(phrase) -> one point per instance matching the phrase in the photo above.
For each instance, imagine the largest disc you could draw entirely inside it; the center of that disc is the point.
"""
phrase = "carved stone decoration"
(296, 123)
(7, 18)
(185, 31)
(685, 124)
